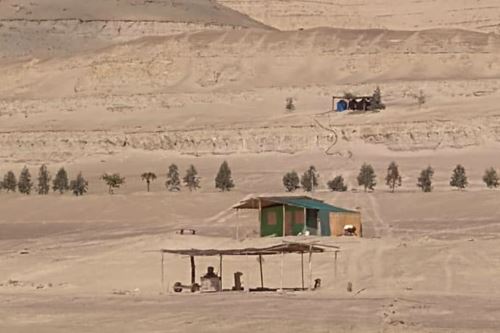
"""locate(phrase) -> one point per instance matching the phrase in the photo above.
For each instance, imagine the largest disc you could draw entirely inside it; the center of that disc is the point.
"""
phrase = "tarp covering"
(296, 201)
(271, 250)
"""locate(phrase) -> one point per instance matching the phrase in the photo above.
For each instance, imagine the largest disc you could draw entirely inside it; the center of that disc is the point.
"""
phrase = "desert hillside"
(49, 27)
(481, 15)
(133, 86)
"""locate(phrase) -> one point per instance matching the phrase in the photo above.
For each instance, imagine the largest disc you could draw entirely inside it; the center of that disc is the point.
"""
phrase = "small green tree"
(425, 179)
(393, 178)
(309, 179)
(43, 180)
(376, 103)
(173, 182)
(79, 186)
(490, 178)
(459, 178)
(367, 177)
(61, 181)
(337, 184)
(148, 177)
(25, 184)
(9, 182)
(191, 179)
(113, 181)
(224, 180)
(291, 181)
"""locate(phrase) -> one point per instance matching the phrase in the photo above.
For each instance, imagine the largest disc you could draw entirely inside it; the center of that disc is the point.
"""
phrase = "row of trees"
(367, 179)
(191, 179)
(79, 186)
(60, 183)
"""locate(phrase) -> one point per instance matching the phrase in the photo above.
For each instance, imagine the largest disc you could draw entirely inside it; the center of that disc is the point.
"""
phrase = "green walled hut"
(300, 215)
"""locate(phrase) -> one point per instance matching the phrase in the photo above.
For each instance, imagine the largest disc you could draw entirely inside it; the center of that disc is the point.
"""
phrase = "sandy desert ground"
(133, 86)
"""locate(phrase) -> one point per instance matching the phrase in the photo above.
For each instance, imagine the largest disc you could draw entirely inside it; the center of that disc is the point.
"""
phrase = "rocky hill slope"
(480, 15)
(49, 27)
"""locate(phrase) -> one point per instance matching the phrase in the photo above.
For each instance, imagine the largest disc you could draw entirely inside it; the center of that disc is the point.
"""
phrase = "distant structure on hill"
(355, 103)
(301, 215)
(358, 103)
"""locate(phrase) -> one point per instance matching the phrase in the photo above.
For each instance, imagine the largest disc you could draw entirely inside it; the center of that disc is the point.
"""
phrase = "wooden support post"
(284, 220)
(260, 217)
(261, 272)
(305, 223)
(302, 266)
(282, 270)
(237, 225)
(162, 273)
(193, 270)
(335, 269)
(220, 272)
(310, 268)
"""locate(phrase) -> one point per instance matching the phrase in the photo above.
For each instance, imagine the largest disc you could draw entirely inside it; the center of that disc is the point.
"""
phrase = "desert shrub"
(377, 100)
(490, 178)
(173, 182)
(309, 179)
(337, 184)
(393, 178)
(425, 179)
(291, 181)
(223, 180)
(79, 186)
(421, 98)
(25, 184)
(43, 180)
(61, 181)
(289, 104)
(113, 181)
(459, 178)
(367, 177)
(9, 182)
(191, 179)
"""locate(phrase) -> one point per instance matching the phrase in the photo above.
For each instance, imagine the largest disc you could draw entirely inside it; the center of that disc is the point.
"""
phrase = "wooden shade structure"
(279, 249)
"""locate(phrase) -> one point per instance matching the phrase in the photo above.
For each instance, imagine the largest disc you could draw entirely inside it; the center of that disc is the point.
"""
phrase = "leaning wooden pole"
(193, 270)
(261, 272)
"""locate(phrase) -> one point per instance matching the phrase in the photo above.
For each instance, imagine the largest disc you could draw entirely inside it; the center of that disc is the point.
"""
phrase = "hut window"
(288, 217)
(299, 217)
(271, 218)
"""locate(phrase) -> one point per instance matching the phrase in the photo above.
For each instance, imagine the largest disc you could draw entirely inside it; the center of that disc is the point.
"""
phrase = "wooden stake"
(193, 270)
(260, 217)
(220, 272)
(237, 225)
(261, 272)
(305, 223)
(162, 273)
(302, 266)
(310, 267)
(335, 271)
(284, 221)
(282, 268)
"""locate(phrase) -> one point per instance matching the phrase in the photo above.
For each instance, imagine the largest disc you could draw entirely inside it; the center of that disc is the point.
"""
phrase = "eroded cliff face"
(55, 146)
